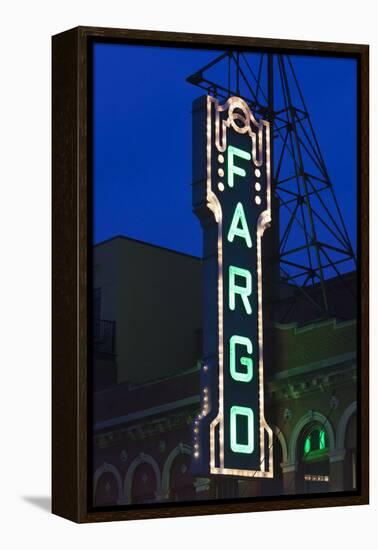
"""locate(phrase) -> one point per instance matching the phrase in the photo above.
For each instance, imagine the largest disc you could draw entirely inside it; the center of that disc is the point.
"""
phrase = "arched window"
(316, 442)
(181, 479)
(107, 491)
(274, 486)
(144, 484)
(313, 469)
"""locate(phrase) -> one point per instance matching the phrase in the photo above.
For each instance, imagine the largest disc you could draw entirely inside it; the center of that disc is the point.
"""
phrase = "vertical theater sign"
(231, 197)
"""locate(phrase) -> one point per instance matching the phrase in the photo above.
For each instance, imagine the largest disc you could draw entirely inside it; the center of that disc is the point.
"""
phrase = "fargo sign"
(231, 197)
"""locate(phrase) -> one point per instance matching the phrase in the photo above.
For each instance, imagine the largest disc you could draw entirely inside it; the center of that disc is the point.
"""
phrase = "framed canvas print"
(210, 274)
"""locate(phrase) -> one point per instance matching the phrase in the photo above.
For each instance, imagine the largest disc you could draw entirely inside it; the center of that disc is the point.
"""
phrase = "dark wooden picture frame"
(71, 174)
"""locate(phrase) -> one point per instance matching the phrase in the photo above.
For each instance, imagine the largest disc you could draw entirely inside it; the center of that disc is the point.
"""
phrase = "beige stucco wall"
(156, 322)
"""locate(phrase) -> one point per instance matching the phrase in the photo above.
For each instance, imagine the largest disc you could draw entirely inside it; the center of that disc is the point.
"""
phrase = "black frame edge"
(70, 484)
(64, 269)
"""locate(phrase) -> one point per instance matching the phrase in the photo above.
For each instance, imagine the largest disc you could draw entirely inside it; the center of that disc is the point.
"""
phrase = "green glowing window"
(316, 440)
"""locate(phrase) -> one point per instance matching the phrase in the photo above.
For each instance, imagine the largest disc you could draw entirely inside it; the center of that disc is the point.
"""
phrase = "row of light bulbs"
(204, 411)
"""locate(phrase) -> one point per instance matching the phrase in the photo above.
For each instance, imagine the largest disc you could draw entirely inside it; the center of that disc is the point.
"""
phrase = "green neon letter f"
(232, 169)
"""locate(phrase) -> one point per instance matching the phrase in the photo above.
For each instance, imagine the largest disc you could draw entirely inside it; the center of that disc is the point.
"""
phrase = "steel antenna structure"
(311, 237)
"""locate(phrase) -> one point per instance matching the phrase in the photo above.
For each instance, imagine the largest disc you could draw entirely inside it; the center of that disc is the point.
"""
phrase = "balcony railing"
(104, 336)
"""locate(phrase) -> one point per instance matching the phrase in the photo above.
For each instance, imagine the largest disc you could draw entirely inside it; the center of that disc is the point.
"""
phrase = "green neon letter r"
(243, 291)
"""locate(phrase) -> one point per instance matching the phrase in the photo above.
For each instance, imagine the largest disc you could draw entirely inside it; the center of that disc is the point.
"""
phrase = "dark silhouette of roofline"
(131, 239)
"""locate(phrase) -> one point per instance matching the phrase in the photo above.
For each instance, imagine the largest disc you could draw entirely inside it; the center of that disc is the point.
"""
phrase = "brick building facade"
(147, 395)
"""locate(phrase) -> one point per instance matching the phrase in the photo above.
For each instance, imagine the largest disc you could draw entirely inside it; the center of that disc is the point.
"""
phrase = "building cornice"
(140, 415)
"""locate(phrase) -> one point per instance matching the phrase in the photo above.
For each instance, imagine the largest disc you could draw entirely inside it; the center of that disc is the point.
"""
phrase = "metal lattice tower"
(314, 245)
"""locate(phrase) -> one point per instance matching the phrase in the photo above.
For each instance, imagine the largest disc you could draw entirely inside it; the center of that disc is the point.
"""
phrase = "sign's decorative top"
(231, 196)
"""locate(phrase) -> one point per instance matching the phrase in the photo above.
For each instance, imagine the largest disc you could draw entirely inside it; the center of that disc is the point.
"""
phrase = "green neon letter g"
(246, 361)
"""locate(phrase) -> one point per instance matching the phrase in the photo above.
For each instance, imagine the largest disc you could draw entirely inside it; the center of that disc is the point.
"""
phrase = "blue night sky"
(142, 139)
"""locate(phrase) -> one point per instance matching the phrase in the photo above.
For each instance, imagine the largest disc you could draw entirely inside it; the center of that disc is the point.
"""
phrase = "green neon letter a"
(232, 169)
(242, 231)
(243, 291)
